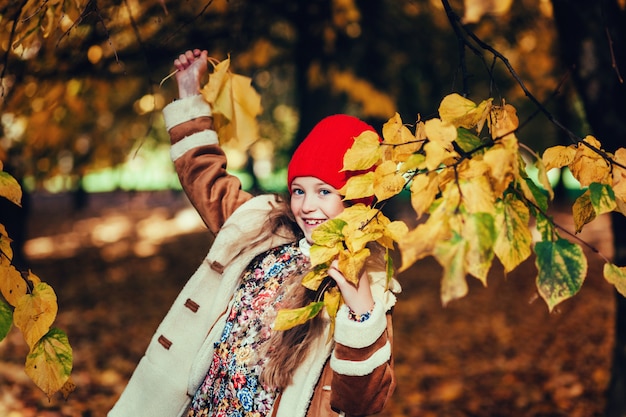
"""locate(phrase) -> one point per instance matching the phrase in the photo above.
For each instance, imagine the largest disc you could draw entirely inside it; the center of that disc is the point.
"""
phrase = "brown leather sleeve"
(214, 192)
(364, 395)
(190, 127)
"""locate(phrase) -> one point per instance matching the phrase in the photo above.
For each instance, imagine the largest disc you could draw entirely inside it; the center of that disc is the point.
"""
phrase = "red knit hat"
(321, 153)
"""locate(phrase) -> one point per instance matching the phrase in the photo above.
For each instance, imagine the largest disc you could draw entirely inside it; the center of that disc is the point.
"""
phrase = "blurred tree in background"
(81, 79)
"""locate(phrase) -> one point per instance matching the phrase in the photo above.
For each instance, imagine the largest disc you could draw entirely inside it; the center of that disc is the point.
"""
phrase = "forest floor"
(118, 263)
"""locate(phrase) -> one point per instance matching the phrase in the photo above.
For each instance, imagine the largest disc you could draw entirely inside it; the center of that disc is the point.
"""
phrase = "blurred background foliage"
(80, 111)
(81, 93)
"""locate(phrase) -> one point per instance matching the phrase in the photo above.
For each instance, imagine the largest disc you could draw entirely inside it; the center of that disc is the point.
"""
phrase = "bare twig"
(609, 39)
(199, 15)
(5, 58)
(92, 9)
(457, 25)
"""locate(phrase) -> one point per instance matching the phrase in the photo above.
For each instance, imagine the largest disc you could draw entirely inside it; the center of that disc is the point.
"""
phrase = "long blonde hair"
(284, 350)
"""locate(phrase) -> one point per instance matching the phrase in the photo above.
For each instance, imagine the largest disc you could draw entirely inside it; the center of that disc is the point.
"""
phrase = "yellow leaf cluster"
(346, 238)
(49, 361)
(235, 104)
(35, 313)
(41, 19)
(10, 188)
(473, 200)
(602, 173)
(458, 180)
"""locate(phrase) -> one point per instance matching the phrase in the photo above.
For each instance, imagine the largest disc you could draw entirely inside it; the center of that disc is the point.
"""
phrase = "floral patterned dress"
(231, 387)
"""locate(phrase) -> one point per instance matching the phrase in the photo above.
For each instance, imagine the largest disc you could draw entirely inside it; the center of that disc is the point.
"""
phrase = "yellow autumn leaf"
(49, 363)
(235, 105)
(472, 168)
(462, 112)
(544, 180)
(364, 153)
(413, 162)
(35, 313)
(223, 111)
(12, 284)
(588, 166)
(329, 233)
(356, 238)
(6, 253)
(617, 276)
(583, 211)
(10, 188)
(396, 231)
(34, 279)
(363, 225)
(532, 192)
(420, 242)
(357, 214)
(358, 186)
(619, 174)
(68, 388)
(246, 107)
(401, 153)
(321, 254)
(332, 302)
(503, 121)
(395, 132)
(314, 277)
(440, 132)
(46, 29)
(503, 165)
(351, 264)
(399, 143)
(513, 237)
(217, 80)
(424, 188)
(455, 107)
(384, 236)
(476, 194)
(479, 232)
(289, 318)
(387, 181)
(436, 155)
(450, 254)
(558, 156)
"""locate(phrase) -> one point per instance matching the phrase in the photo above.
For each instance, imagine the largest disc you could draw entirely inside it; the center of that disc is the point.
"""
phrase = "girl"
(215, 353)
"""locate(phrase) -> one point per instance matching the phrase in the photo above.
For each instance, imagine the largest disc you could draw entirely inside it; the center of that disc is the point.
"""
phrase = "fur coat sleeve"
(201, 163)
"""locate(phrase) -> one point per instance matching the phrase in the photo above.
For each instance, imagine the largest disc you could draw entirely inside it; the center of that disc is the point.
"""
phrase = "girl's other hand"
(357, 297)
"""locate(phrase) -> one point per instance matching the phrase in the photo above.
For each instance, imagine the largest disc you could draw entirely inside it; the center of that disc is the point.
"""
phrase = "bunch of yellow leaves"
(31, 306)
(344, 238)
(235, 104)
(474, 200)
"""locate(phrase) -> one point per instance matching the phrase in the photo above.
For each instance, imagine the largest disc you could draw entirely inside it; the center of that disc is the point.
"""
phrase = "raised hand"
(192, 68)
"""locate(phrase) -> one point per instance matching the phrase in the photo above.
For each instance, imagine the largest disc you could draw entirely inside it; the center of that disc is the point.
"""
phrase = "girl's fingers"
(184, 60)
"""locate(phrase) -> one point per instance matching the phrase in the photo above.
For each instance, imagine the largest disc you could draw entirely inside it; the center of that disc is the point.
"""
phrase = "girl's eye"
(324, 192)
(297, 191)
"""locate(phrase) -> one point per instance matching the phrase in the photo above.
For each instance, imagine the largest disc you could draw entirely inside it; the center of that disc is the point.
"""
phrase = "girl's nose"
(308, 204)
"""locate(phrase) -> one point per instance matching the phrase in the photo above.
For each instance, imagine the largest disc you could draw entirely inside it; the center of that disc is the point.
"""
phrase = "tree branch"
(5, 58)
(464, 33)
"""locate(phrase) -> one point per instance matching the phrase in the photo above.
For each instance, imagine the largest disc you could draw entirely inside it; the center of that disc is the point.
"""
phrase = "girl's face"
(313, 202)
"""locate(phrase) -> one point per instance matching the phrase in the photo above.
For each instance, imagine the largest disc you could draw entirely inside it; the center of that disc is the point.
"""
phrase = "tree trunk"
(592, 38)
(314, 54)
